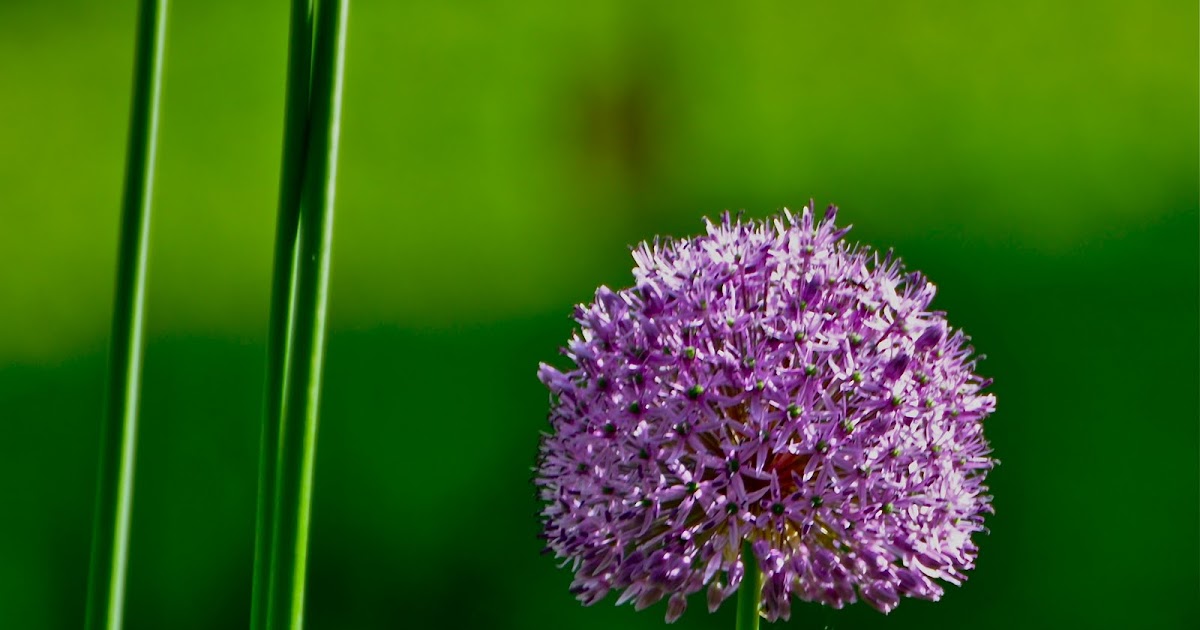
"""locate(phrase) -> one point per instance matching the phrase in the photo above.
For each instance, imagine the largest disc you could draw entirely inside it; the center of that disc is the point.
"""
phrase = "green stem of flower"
(305, 349)
(114, 495)
(750, 591)
(291, 183)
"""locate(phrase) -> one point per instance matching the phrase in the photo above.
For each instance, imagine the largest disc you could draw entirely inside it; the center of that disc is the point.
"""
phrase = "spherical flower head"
(765, 382)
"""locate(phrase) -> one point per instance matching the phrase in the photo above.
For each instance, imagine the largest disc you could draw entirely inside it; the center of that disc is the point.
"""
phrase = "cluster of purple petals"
(765, 382)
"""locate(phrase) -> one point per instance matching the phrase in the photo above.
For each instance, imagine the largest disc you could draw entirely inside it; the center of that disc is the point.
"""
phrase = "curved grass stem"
(118, 435)
(300, 381)
(291, 182)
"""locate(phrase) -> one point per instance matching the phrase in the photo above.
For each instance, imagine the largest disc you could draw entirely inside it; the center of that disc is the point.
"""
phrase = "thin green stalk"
(750, 591)
(298, 430)
(114, 494)
(291, 182)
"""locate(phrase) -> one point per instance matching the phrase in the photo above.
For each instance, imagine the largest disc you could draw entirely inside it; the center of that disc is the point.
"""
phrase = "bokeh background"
(1038, 160)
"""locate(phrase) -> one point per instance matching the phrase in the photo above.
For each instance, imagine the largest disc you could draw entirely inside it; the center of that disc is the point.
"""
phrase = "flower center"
(789, 468)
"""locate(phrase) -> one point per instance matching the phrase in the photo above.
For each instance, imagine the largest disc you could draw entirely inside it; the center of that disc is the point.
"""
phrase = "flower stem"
(114, 495)
(750, 591)
(301, 382)
(291, 182)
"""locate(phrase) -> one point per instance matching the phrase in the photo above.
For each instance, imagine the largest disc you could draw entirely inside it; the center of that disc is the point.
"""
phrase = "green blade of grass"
(291, 182)
(298, 429)
(118, 435)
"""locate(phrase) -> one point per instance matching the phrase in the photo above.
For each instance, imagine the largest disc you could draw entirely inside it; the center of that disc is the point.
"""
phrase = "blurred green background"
(1038, 160)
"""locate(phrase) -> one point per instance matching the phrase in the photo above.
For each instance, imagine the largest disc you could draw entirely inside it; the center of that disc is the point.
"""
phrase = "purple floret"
(768, 382)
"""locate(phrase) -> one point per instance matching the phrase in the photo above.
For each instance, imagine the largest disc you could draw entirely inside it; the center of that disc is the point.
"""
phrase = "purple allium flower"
(765, 382)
